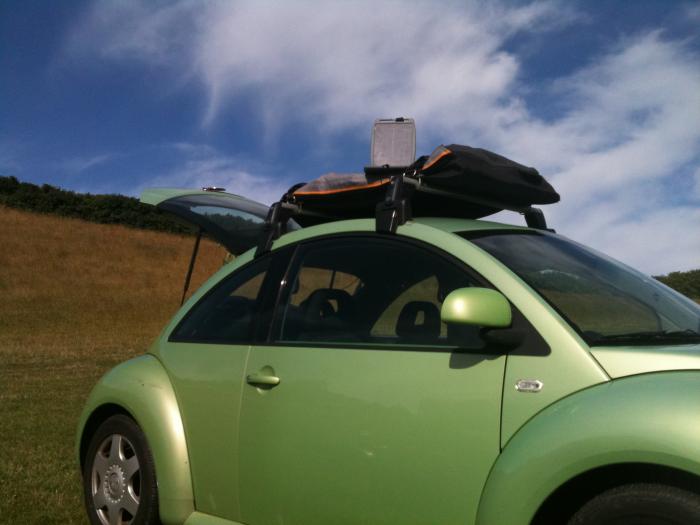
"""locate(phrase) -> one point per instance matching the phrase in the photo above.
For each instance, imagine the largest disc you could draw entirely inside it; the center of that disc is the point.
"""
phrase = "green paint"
(652, 418)
(373, 435)
(476, 306)
(142, 388)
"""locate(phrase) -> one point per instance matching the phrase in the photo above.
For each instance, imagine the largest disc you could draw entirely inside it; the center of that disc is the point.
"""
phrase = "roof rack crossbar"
(395, 210)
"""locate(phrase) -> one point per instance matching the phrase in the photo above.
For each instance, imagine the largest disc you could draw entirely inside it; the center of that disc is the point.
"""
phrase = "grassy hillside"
(77, 298)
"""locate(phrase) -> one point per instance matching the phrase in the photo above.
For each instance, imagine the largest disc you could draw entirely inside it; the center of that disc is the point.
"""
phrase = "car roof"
(449, 225)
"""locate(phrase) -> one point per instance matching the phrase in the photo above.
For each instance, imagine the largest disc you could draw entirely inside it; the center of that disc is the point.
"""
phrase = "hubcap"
(116, 481)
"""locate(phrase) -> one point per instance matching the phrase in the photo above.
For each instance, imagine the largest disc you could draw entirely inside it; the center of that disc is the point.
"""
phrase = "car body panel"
(621, 361)
(386, 428)
(623, 421)
(568, 368)
(597, 406)
(207, 380)
(142, 388)
(156, 196)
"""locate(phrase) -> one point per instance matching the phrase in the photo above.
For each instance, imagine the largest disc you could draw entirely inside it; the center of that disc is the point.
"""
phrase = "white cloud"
(631, 117)
(332, 63)
(198, 165)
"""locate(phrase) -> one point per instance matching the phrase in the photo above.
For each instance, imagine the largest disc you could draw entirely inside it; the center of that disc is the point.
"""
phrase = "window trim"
(293, 269)
(273, 271)
(281, 272)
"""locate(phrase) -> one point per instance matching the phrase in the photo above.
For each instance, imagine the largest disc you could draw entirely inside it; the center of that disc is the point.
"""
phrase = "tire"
(119, 478)
(641, 504)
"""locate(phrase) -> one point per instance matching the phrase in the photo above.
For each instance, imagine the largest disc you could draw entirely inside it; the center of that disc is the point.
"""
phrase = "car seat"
(412, 327)
(328, 314)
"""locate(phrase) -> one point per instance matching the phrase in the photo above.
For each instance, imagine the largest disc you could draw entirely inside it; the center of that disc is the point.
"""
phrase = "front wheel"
(640, 504)
(119, 479)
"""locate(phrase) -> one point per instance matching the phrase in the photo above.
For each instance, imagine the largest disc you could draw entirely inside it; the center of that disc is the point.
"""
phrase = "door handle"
(263, 380)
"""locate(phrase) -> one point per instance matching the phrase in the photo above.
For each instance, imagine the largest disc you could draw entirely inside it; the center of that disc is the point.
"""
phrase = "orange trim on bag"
(444, 153)
(341, 190)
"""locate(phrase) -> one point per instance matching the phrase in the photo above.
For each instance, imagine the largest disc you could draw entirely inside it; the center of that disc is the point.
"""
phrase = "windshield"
(607, 302)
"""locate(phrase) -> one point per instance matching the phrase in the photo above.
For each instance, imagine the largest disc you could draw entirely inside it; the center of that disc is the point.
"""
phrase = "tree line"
(105, 209)
(687, 283)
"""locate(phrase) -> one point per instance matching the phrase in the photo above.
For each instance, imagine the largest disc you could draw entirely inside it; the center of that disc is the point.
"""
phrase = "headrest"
(412, 325)
(319, 303)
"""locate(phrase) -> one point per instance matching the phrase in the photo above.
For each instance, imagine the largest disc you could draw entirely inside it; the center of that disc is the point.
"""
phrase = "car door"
(205, 356)
(359, 409)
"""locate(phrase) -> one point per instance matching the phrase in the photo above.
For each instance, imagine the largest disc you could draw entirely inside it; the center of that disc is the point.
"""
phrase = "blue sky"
(602, 97)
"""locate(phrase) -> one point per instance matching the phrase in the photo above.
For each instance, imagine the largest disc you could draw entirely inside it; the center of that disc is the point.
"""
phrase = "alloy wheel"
(116, 481)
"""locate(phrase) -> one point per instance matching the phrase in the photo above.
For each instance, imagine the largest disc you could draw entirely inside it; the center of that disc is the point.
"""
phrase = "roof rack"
(395, 210)
(390, 213)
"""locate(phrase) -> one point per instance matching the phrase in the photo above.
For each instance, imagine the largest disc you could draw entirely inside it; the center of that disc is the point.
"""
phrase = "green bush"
(105, 209)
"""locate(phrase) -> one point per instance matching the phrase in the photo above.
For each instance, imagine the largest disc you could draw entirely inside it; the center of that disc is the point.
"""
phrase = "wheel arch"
(94, 420)
(140, 388)
(572, 495)
(644, 424)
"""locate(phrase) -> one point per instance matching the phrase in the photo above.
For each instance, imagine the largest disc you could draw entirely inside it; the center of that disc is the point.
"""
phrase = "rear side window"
(228, 314)
(370, 291)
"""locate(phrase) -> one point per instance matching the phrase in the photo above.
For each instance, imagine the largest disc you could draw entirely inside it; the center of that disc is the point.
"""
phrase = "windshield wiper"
(649, 338)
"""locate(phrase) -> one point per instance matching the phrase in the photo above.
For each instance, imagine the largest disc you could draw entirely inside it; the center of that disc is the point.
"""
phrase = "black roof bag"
(482, 173)
(441, 186)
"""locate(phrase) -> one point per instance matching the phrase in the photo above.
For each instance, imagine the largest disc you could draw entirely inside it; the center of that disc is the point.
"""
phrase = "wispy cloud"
(692, 12)
(628, 121)
(77, 165)
(344, 66)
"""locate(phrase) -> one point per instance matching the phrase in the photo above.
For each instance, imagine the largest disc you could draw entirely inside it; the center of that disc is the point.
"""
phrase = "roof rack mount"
(390, 213)
(395, 210)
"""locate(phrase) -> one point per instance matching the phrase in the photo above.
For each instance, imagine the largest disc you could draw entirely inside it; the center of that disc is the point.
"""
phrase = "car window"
(370, 291)
(607, 302)
(228, 313)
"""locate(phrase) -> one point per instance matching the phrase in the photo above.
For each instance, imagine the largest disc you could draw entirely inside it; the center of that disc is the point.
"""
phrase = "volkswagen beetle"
(457, 372)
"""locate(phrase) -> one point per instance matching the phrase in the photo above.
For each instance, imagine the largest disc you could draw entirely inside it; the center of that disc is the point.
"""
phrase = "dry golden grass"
(77, 298)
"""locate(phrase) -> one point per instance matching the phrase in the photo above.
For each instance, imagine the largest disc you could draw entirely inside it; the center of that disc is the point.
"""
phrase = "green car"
(457, 372)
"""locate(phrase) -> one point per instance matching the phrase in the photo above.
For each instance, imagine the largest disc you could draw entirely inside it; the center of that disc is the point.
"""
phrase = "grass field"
(77, 298)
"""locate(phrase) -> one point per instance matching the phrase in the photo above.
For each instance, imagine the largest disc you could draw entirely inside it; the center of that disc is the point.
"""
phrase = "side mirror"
(477, 306)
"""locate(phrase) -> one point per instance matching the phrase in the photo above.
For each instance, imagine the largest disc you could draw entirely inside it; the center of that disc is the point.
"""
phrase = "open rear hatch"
(233, 221)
